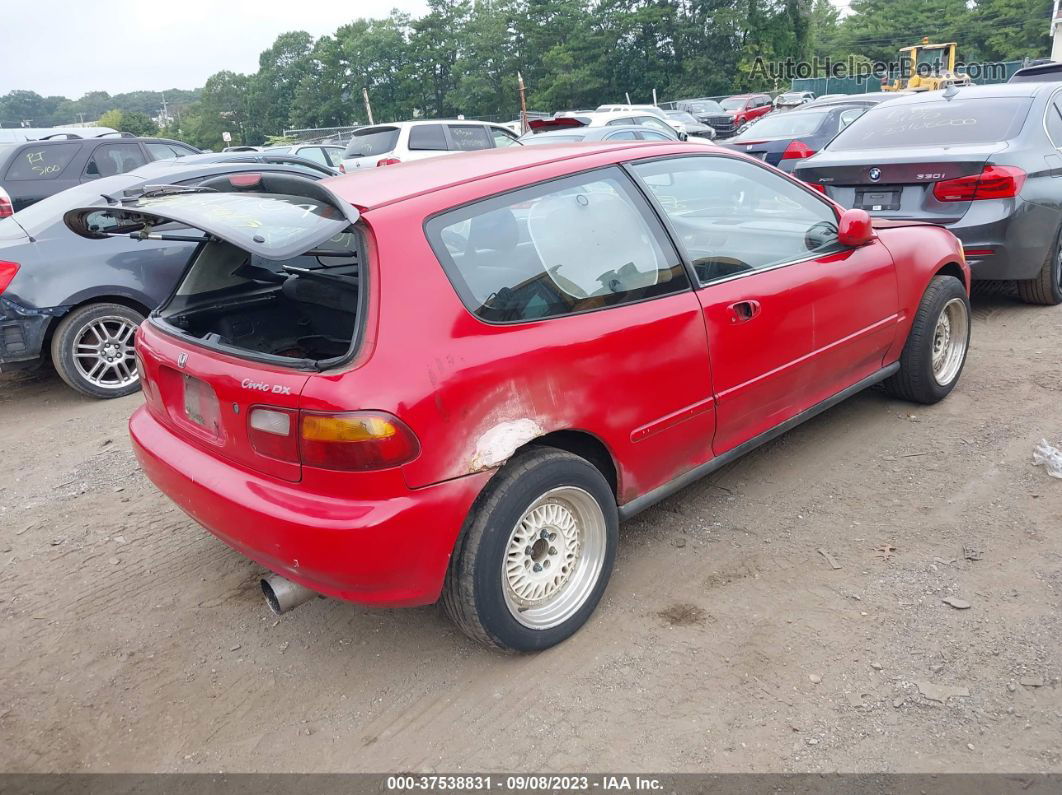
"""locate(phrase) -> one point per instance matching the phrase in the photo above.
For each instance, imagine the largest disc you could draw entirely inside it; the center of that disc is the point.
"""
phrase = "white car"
(653, 110)
(611, 118)
(387, 144)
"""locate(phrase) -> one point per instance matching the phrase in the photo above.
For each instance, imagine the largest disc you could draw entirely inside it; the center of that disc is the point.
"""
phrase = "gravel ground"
(788, 614)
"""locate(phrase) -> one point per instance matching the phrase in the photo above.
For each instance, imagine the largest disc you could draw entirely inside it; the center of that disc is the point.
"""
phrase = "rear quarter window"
(571, 245)
(42, 162)
(469, 137)
(957, 121)
(429, 137)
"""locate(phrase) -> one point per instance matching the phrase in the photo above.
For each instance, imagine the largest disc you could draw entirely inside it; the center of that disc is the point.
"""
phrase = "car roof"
(376, 187)
(993, 91)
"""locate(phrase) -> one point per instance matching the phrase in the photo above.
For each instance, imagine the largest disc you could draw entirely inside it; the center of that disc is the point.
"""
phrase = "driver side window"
(734, 217)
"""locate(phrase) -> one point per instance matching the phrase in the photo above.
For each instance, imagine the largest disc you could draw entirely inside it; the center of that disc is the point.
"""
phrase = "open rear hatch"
(271, 294)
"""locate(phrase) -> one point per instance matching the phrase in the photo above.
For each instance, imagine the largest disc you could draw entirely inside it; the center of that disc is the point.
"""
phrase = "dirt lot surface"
(134, 641)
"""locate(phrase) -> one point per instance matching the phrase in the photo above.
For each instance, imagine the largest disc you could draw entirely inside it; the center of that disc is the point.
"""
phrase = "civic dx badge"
(874, 174)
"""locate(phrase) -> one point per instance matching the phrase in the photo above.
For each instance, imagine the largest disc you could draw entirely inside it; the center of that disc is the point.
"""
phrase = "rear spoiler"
(563, 123)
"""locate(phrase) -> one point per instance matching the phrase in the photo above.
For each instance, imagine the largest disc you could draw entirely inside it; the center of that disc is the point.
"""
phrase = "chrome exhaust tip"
(283, 595)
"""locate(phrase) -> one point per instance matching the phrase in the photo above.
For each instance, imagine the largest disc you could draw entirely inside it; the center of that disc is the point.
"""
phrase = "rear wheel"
(536, 553)
(1046, 288)
(935, 351)
(92, 350)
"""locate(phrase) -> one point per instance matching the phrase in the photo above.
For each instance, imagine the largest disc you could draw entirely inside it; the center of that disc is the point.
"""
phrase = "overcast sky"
(75, 46)
(70, 47)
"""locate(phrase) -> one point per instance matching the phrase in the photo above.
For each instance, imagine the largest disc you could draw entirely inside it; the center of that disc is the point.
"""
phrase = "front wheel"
(935, 351)
(535, 554)
(92, 350)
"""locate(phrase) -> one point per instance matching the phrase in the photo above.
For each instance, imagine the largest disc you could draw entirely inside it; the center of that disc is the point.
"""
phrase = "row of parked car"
(968, 159)
(441, 380)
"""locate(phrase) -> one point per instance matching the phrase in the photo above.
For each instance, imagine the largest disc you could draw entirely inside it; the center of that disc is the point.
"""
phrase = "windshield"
(939, 123)
(39, 216)
(790, 97)
(372, 141)
(681, 115)
(786, 125)
(277, 150)
(734, 103)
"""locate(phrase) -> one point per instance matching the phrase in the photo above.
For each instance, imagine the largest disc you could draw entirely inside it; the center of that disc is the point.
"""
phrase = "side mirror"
(855, 228)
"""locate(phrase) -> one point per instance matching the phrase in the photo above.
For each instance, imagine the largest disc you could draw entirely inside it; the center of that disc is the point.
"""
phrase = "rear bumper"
(1020, 236)
(22, 332)
(388, 552)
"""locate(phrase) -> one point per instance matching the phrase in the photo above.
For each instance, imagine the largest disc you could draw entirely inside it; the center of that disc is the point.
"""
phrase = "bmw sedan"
(982, 161)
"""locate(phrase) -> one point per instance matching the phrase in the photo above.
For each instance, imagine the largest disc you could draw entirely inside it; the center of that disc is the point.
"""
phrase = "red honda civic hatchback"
(449, 380)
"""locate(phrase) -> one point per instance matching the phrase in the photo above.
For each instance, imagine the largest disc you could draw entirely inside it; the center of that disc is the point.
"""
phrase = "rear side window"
(571, 245)
(44, 162)
(111, 159)
(1053, 121)
(469, 137)
(957, 121)
(429, 137)
(372, 141)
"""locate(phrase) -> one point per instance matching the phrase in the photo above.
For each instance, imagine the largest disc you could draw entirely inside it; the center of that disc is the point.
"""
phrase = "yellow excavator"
(929, 67)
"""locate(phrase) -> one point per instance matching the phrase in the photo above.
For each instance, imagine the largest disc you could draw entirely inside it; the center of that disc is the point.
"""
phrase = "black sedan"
(983, 161)
(784, 139)
(79, 304)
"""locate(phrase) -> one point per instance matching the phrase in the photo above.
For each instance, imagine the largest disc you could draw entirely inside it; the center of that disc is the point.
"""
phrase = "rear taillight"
(7, 273)
(388, 161)
(273, 433)
(994, 182)
(817, 186)
(342, 169)
(7, 208)
(357, 440)
(797, 150)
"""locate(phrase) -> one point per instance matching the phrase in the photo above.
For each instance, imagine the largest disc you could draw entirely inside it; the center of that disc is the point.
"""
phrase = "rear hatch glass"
(372, 142)
(941, 123)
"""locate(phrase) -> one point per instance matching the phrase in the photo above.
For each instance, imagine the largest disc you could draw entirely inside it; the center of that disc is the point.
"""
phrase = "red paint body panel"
(663, 385)
(389, 550)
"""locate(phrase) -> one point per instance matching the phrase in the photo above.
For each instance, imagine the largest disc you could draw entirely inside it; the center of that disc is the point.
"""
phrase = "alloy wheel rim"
(950, 337)
(103, 352)
(554, 557)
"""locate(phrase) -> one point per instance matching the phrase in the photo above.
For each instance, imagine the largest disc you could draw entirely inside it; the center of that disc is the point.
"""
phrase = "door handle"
(743, 311)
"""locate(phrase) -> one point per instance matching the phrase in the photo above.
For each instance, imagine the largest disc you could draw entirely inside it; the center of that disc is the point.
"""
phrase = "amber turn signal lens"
(357, 440)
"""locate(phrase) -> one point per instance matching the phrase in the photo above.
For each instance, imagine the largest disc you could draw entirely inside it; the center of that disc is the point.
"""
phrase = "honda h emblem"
(182, 359)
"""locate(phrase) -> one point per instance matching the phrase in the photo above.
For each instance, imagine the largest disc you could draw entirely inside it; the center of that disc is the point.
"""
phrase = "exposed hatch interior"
(302, 309)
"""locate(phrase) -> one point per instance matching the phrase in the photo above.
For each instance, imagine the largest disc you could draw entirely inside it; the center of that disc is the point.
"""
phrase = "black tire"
(915, 380)
(1046, 288)
(474, 595)
(74, 329)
